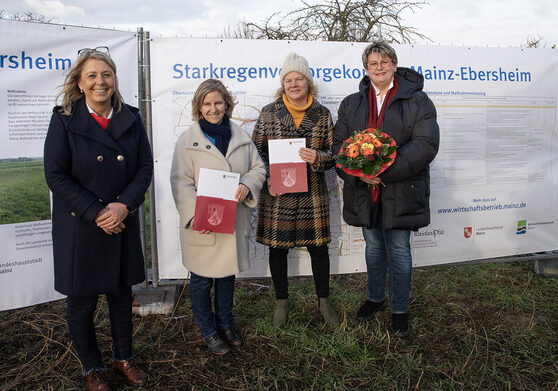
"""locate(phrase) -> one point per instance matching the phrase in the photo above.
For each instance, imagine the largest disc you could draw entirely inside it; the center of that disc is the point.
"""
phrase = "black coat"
(86, 168)
(410, 119)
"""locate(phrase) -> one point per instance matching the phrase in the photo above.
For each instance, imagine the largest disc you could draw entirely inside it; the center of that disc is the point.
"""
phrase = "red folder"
(215, 203)
(214, 214)
(288, 178)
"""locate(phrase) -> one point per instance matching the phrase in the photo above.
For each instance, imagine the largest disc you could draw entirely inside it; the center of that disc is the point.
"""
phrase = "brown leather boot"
(97, 381)
(135, 376)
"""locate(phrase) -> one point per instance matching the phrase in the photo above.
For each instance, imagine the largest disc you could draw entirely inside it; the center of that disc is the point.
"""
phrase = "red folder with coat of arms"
(287, 171)
(215, 202)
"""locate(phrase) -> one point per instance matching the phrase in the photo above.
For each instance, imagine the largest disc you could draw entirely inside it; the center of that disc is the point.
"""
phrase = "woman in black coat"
(390, 98)
(98, 165)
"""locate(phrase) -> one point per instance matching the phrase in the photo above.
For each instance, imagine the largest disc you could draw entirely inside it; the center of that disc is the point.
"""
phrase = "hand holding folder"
(287, 170)
(215, 201)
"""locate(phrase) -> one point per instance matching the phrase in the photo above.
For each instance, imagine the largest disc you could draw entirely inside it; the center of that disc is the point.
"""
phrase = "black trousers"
(79, 315)
(320, 270)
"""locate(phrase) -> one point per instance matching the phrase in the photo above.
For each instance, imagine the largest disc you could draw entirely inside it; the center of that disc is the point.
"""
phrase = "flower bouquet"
(367, 154)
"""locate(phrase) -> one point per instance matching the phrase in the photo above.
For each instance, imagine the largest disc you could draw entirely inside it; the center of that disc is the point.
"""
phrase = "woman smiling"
(297, 219)
(98, 166)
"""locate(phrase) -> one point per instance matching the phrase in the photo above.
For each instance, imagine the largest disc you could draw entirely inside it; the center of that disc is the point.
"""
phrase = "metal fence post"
(141, 92)
(149, 128)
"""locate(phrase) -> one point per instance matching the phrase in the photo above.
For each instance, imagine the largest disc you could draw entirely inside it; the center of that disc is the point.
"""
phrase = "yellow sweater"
(297, 112)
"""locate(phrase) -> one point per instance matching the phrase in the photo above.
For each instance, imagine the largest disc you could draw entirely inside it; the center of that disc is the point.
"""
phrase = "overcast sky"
(445, 22)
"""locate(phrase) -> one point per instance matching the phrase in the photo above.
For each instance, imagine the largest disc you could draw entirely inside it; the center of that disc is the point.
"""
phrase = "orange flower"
(377, 143)
(353, 151)
(367, 151)
(360, 139)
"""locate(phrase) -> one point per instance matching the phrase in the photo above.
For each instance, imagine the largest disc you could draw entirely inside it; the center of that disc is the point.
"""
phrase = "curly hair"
(71, 92)
(207, 86)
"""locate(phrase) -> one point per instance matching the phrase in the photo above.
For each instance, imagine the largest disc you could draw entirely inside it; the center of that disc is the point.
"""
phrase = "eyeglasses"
(374, 65)
(98, 49)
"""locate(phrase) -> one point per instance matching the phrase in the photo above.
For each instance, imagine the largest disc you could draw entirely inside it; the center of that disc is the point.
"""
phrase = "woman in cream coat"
(214, 258)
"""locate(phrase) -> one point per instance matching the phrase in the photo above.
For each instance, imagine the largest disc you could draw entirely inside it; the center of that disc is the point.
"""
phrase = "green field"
(24, 194)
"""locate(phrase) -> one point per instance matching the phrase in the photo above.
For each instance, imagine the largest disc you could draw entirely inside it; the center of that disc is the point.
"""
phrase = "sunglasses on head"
(98, 49)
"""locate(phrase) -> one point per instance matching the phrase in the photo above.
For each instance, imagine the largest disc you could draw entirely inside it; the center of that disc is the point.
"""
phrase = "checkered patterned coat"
(296, 219)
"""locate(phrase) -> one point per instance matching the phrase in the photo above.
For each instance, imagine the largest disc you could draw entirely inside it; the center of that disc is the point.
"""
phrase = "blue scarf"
(220, 133)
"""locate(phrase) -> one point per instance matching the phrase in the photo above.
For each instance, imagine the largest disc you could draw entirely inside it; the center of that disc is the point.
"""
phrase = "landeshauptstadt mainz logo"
(481, 231)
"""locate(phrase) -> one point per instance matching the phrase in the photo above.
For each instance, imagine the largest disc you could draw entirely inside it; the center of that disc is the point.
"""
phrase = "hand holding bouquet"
(367, 154)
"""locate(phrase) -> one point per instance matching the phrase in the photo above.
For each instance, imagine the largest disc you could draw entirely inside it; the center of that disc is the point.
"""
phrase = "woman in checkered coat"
(297, 219)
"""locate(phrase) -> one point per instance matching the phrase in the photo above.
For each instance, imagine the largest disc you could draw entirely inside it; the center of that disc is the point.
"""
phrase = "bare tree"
(536, 42)
(242, 31)
(25, 16)
(341, 20)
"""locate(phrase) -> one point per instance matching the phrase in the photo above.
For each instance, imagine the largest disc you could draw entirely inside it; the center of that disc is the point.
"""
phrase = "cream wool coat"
(215, 255)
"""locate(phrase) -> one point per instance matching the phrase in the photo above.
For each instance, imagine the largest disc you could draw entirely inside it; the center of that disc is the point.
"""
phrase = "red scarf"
(103, 122)
(375, 120)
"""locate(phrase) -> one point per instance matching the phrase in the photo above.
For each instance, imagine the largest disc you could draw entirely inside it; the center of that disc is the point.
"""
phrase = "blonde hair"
(207, 86)
(71, 92)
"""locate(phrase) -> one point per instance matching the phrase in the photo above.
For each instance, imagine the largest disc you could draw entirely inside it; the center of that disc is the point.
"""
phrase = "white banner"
(33, 59)
(493, 191)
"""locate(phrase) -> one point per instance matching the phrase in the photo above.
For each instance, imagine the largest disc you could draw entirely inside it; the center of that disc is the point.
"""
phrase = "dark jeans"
(388, 251)
(320, 270)
(200, 295)
(79, 314)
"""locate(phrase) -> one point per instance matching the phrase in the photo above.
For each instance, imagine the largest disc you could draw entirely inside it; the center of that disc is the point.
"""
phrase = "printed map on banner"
(35, 58)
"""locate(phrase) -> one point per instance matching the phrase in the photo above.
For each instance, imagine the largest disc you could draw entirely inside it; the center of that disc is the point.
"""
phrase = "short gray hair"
(381, 47)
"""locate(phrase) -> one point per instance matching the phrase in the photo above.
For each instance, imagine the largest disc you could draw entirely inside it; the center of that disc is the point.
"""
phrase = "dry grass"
(475, 327)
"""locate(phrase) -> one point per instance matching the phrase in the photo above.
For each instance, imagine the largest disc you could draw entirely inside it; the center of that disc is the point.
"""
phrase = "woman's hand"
(203, 231)
(371, 181)
(269, 189)
(116, 230)
(308, 155)
(241, 192)
(110, 218)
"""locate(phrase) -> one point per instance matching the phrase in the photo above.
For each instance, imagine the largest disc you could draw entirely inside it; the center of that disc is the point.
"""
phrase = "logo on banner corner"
(521, 227)
(215, 213)
(467, 232)
(288, 176)
(434, 232)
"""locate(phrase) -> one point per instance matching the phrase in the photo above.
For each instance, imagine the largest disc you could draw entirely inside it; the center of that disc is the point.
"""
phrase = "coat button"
(73, 214)
(100, 158)
(120, 158)
(195, 144)
(208, 146)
